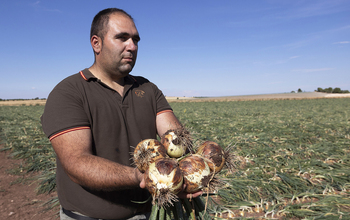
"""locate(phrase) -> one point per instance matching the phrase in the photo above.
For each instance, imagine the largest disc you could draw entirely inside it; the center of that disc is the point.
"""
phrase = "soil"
(18, 197)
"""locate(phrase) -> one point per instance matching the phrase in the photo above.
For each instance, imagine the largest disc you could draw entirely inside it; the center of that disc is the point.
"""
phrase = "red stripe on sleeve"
(68, 130)
(161, 112)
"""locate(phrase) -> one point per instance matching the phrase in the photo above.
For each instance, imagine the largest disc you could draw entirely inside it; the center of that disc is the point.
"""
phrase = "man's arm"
(166, 121)
(74, 150)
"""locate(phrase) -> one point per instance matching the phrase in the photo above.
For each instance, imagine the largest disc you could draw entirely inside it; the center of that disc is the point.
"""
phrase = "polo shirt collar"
(87, 75)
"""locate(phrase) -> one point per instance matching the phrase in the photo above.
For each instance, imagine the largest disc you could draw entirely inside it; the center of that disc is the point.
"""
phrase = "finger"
(194, 195)
(184, 195)
(143, 183)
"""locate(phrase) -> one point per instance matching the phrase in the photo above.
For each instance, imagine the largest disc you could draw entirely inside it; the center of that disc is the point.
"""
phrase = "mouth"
(128, 58)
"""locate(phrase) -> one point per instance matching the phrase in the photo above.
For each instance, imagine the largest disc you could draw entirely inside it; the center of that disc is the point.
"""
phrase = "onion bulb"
(176, 142)
(164, 180)
(146, 152)
(214, 153)
(196, 173)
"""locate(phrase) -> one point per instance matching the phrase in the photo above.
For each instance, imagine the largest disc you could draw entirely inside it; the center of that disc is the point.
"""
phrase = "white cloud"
(313, 8)
(342, 42)
(286, 60)
(293, 57)
(312, 70)
(38, 6)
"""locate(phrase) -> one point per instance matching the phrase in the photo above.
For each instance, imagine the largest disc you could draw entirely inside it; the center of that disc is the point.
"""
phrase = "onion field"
(291, 157)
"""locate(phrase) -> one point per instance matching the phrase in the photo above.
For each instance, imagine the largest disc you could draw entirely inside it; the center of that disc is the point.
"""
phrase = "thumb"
(143, 183)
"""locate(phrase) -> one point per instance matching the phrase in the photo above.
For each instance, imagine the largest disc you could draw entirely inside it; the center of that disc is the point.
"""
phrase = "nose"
(131, 45)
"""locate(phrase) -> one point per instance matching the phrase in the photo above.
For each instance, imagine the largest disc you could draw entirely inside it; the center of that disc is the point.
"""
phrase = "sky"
(187, 48)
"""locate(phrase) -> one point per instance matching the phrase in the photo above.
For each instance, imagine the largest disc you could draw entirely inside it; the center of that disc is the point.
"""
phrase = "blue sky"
(187, 48)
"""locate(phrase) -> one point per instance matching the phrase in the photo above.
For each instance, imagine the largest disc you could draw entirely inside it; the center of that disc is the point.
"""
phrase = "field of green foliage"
(292, 157)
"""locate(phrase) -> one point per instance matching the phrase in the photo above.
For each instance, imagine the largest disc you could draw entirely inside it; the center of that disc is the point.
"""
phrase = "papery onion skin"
(196, 172)
(214, 153)
(173, 144)
(163, 175)
(148, 151)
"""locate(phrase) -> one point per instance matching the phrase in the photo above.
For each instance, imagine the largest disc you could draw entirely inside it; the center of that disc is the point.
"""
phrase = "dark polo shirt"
(117, 123)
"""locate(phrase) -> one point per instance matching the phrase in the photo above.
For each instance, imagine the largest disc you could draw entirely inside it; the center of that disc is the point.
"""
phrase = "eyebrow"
(123, 34)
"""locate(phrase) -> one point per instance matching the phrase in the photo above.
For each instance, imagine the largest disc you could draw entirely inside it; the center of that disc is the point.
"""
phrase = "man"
(94, 119)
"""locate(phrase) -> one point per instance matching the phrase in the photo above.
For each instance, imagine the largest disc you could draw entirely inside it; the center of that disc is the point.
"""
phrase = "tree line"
(331, 90)
(37, 98)
(326, 90)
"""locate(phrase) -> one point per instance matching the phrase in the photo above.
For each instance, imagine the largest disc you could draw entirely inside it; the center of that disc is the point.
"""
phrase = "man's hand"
(142, 180)
(185, 195)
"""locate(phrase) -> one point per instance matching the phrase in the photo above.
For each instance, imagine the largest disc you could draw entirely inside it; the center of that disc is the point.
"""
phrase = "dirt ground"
(18, 200)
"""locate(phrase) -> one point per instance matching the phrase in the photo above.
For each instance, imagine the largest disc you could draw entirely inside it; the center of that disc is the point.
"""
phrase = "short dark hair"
(100, 22)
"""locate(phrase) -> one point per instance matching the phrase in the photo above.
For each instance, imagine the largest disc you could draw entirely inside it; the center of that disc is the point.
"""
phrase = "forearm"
(101, 174)
(166, 121)
(74, 152)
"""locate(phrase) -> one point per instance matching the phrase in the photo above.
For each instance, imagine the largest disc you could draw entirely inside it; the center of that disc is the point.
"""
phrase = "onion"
(214, 153)
(164, 180)
(196, 173)
(146, 152)
(176, 142)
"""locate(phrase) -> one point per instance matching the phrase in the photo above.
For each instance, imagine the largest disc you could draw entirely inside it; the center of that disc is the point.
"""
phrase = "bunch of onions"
(164, 180)
(164, 168)
(148, 151)
(177, 142)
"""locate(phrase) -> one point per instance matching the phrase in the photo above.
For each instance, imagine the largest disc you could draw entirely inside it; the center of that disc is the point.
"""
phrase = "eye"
(136, 40)
(123, 38)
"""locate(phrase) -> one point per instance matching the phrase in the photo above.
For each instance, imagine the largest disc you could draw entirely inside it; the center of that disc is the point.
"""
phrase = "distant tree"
(328, 90)
(299, 90)
(337, 90)
(319, 89)
(331, 90)
(292, 92)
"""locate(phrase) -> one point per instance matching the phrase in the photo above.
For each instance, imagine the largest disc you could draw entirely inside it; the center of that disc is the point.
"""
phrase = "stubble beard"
(126, 68)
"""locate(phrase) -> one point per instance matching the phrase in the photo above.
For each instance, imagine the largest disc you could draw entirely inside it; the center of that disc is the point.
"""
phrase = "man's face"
(120, 45)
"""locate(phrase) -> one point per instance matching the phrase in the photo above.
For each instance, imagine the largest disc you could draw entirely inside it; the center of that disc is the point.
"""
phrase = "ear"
(96, 44)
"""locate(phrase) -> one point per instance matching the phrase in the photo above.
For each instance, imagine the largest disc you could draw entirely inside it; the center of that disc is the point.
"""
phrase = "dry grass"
(22, 102)
(281, 96)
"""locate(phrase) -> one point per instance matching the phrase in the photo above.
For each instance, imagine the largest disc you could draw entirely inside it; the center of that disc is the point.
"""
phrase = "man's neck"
(116, 83)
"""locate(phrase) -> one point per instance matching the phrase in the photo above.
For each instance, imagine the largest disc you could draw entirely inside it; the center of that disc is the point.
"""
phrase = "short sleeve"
(162, 103)
(64, 109)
